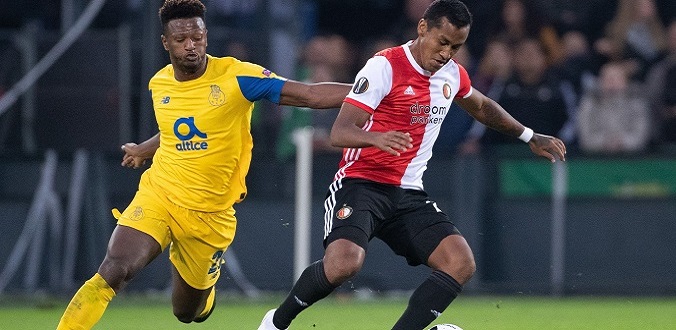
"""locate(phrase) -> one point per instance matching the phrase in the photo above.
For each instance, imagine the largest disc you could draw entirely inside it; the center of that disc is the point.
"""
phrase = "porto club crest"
(216, 97)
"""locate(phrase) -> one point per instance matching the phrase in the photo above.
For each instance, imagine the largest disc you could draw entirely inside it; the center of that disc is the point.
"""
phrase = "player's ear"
(422, 26)
(164, 42)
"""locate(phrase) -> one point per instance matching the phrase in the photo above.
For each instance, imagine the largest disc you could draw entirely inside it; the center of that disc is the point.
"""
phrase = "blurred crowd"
(600, 74)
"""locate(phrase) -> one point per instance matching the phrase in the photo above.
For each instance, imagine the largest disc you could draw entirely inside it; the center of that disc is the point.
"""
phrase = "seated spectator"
(614, 117)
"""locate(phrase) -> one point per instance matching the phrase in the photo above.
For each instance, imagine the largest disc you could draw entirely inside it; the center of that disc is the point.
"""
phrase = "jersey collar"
(414, 64)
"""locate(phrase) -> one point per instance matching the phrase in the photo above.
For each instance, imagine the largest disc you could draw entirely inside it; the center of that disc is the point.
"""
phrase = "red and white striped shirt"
(401, 96)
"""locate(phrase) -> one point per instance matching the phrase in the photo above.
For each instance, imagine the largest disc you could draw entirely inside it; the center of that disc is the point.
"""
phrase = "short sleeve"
(257, 82)
(465, 88)
(372, 84)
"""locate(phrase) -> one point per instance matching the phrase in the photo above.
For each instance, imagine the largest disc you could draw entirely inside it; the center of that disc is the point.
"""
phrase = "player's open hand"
(393, 142)
(133, 158)
(548, 147)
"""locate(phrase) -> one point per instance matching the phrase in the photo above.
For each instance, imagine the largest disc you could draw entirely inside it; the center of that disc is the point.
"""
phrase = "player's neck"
(414, 47)
(181, 75)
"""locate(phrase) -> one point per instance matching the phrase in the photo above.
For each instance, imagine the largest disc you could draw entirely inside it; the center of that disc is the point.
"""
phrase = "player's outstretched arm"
(135, 155)
(323, 95)
(491, 114)
(347, 133)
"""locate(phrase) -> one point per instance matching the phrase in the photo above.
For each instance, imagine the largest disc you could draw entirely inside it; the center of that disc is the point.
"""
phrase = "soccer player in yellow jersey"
(201, 155)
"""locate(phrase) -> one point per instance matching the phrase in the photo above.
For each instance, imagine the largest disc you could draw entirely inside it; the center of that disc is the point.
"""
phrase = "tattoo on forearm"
(496, 119)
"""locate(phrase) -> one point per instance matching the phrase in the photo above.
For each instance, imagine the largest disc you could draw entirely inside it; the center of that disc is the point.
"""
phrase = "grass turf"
(469, 312)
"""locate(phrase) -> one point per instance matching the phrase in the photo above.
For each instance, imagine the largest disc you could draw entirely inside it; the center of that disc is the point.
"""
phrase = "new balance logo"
(409, 91)
(436, 313)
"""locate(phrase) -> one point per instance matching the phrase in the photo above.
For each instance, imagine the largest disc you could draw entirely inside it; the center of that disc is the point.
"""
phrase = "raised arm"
(323, 95)
(347, 132)
(135, 155)
(491, 114)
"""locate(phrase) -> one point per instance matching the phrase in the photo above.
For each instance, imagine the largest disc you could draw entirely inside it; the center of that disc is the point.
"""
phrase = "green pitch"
(469, 312)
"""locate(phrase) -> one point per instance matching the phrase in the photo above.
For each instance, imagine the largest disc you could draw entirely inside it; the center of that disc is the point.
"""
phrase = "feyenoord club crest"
(344, 212)
(447, 91)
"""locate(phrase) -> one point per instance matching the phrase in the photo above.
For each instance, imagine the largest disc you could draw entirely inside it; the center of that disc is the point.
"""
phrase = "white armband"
(526, 135)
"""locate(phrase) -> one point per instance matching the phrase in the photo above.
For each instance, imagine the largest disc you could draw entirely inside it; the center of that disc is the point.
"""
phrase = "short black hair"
(173, 9)
(454, 10)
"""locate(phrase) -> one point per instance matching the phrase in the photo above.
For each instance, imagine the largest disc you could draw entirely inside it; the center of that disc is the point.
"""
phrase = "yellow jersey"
(205, 138)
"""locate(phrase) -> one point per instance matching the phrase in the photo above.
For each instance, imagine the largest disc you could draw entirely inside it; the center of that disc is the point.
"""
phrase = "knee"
(117, 272)
(343, 261)
(463, 268)
(468, 267)
(345, 267)
(457, 261)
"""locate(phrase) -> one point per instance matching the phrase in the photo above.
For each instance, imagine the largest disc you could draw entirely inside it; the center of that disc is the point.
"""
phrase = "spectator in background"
(324, 57)
(579, 64)
(235, 13)
(588, 16)
(405, 28)
(635, 34)
(533, 95)
(494, 67)
(485, 13)
(372, 46)
(661, 86)
(520, 19)
(333, 52)
(614, 117)
(330, 57)
(238, 49)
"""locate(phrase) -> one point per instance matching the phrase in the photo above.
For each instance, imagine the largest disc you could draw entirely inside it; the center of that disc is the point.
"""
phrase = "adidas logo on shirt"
(409, 91)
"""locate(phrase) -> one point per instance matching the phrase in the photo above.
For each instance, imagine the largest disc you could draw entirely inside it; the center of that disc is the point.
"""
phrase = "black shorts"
(407, 220)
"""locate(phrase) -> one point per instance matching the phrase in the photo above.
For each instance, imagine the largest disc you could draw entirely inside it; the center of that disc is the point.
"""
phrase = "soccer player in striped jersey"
(201, 155)
(387, 127)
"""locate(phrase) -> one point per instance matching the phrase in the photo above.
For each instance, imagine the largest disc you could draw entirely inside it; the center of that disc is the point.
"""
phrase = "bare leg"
(454, 257)
(342, 260)
(129, 250)
(187, 301)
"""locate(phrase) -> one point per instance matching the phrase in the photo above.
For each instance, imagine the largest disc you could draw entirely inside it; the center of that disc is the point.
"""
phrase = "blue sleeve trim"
(256, 88)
